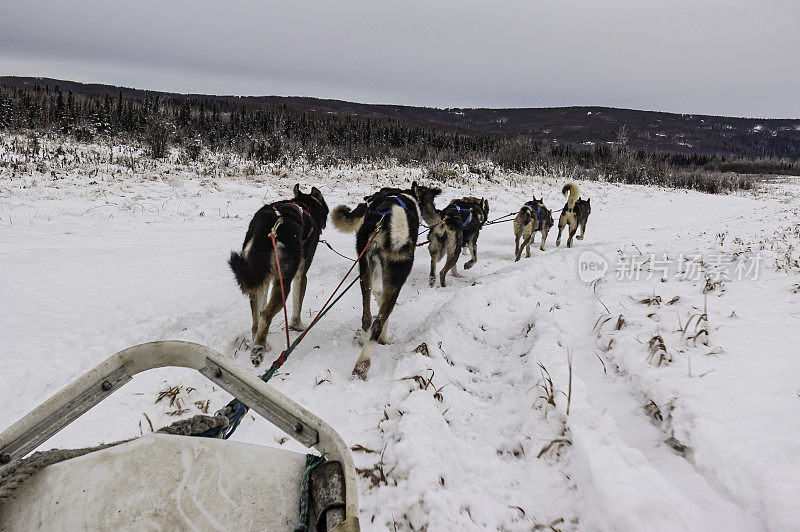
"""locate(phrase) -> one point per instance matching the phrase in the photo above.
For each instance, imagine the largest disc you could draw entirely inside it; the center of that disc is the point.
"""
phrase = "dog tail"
(251, 267)
(346, 220)
(524, 215)
(572, 190)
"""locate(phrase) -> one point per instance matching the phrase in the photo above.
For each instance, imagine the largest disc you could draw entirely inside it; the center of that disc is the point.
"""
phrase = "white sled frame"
(88, 390)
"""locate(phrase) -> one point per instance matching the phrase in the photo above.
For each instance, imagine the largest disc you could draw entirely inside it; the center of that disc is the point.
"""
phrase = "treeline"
(268, 132)
(261, 131)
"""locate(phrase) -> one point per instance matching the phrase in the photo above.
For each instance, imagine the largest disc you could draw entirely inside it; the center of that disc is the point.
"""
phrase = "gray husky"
(455, 227)
(575, 213)
(532, 217)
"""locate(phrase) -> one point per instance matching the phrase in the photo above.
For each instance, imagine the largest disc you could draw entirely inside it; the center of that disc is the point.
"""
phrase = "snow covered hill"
(665, 396)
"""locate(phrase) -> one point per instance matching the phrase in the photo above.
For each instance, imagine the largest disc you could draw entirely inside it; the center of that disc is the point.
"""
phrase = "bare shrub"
(157, 135)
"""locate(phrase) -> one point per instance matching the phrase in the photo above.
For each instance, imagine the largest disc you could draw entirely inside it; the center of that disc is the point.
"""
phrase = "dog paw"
(385, 341)
(432, 282)
(297, 325)
(257, 354)
(579, 237)
(468, 265)
(361, 369)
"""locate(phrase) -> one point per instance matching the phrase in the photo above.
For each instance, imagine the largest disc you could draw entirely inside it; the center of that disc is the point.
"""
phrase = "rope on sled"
(13, 474)
(312, 461)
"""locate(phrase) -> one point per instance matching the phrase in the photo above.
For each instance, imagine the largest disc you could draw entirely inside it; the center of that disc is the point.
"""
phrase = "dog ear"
(316, 193)
(589, 200)
(297, 190)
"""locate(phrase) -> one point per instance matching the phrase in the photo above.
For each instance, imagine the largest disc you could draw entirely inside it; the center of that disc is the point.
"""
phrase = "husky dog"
(457, 225)
(576, 212)
(391, 215)
(533, 217)
(297, 223)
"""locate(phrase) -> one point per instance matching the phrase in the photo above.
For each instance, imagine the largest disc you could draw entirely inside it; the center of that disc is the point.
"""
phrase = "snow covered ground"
(463, 422)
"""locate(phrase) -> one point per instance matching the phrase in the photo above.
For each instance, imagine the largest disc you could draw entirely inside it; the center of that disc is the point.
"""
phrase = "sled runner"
(169, 481)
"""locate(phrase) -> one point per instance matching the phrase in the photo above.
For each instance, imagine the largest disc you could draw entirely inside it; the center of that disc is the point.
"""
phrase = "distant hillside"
(575, 126)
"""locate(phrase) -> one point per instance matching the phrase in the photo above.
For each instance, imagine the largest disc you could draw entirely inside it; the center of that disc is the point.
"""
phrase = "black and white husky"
(457, 225)
(385, 265)
(302, 220)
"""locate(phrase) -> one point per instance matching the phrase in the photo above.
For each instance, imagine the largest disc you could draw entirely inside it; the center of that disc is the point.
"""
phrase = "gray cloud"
(727, 57)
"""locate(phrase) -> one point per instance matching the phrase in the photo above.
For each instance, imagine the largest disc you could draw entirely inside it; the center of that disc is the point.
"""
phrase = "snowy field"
(681, 410)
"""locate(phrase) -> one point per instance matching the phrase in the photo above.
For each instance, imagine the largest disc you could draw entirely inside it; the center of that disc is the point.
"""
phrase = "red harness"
(303, 213)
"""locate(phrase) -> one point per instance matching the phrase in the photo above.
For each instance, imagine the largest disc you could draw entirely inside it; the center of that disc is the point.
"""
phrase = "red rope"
(322, 310)
(280, 277)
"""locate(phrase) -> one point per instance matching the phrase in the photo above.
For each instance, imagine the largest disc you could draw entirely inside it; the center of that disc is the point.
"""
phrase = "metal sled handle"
(98, 383)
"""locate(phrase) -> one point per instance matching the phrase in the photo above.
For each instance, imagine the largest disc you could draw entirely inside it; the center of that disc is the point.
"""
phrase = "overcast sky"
(726, 57)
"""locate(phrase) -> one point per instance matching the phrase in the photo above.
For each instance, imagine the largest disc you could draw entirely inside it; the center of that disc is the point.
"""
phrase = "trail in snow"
(461, 434)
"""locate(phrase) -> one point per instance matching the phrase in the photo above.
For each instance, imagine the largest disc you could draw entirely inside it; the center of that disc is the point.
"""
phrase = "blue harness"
(538, 210)
(460, 210)
(399, 201)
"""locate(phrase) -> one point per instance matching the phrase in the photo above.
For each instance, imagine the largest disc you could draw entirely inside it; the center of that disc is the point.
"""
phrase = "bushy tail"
(572, 190)
(524, 216)
(250, 272)
(346, 220)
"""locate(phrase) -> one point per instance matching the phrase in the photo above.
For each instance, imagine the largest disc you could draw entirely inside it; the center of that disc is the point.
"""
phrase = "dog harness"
(303, 213)
(538, 206)
(460, 210)
(399, 201)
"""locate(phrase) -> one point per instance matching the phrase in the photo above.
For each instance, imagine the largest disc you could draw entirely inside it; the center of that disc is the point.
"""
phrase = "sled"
(171, 482)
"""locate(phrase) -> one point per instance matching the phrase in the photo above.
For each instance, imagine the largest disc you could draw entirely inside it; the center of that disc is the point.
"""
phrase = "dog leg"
(377, 280)
(435, 256)
(561, 224)
(452, 260)
(376, 331)
(473, 248)
(274, 305)
(516, 246)
(522, 247)
(573, 228)
(583, 231)
(296, 323)
(528, 244)
(366, 288)
(544, 237)
(255, 299)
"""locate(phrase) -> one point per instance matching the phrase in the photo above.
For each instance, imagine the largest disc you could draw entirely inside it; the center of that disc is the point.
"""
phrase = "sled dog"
(532, 217)
(575, 213)
(391, 215)
(455, 227)
(297, 223)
